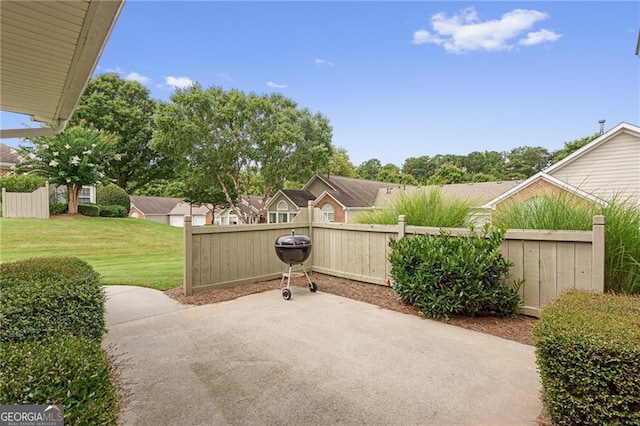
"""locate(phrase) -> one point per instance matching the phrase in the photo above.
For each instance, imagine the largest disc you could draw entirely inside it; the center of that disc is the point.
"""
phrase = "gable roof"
(154, 205)
(351, 192)
(540, 176)
(8, 155)
(184, 209)
(604, 138)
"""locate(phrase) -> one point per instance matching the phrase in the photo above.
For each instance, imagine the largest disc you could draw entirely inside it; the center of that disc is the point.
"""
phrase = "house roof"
(476, 192)
(154, 205)
(351, 192)
(546, 173)
(8, 155)
(299, 197)
(184, 209)
(539, 176)
(604, 138)
(49, 52)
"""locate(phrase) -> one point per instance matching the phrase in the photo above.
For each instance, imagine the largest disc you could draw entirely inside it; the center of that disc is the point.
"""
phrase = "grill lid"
(293, 241)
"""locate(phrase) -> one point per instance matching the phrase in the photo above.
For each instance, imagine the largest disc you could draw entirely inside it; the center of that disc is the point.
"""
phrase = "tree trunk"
(74, 194)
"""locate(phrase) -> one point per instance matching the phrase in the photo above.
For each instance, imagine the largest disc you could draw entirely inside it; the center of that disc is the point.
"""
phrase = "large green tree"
(340, 165)
(76, 157)
(572, 146)
(369, 169)
(238, 139)
(125, 109)
(525, 161)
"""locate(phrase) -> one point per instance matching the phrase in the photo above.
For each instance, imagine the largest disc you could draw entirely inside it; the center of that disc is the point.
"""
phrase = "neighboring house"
(607, 167)
(339, 198)
(200, 214)
(8, 159)
(156, 209)
(251, 206)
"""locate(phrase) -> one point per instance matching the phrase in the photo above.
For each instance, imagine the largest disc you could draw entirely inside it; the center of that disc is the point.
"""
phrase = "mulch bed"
(518, 329)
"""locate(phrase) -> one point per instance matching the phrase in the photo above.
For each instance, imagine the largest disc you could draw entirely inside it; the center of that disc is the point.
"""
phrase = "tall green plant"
(421, 208)
(564, 211)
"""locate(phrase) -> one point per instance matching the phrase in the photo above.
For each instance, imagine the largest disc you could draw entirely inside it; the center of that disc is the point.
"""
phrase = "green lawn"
(123, 251)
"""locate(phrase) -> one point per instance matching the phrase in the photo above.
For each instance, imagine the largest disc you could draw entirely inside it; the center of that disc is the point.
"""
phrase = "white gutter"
(33, 132)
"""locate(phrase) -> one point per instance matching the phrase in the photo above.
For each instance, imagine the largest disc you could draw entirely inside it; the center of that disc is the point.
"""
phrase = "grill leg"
(288, 276)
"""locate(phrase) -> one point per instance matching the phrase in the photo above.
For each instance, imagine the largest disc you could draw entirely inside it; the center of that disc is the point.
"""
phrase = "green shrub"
(448, 275)
(48, 297)
(112, 211)
(421, 208)
(563, 211)
(22, 183)
(588, 354)
(64, 370)
(89, 210)
(113, 195)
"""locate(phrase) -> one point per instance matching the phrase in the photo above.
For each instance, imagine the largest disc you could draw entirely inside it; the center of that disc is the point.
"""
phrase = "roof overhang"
(49, 52)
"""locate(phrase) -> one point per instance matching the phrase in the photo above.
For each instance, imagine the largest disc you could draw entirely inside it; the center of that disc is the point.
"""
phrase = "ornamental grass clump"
(565, 211)
(446, 274)
(421, 208)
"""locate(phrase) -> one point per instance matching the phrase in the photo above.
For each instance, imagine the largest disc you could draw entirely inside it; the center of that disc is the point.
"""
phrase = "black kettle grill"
(293, 249)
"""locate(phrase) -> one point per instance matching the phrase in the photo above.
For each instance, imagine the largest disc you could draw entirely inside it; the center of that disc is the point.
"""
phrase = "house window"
(282, 206)
(85, 195)
(283, 217)
(328, 212)
(292, 216)
(273, 217)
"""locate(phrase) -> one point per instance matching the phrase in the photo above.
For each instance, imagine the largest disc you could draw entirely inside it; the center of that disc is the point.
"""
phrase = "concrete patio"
(317, 359)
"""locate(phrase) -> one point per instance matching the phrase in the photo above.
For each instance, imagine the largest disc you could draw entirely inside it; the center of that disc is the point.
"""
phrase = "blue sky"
(399, 79)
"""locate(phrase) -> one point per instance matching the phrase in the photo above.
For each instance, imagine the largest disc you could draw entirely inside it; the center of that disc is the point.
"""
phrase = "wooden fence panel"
(550, 262)
(26, 204)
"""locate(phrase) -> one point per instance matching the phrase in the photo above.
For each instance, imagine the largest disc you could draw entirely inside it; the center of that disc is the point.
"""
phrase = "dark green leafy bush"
(450, 275)
(60, 370)
(50, 296)
(112, 211)
(89, 210)
(588, 354)
(113, 195)
(22, 183)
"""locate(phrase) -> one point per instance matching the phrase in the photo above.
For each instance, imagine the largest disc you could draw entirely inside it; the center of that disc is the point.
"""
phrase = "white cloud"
(464, 32)
(538, 37)
(276, 85)
(178, 82)
(324, 62)
(134, 76)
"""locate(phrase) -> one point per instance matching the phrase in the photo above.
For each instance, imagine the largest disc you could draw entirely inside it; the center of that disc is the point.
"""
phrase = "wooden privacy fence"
(551, 262)
(26, 204)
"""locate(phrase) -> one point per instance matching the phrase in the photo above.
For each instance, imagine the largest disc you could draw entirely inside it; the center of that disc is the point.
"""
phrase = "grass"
(122, 250)
(421, 208)
(563, 211)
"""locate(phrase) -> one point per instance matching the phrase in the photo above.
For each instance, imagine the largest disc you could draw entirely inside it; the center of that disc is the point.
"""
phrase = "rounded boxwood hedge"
(113, 195)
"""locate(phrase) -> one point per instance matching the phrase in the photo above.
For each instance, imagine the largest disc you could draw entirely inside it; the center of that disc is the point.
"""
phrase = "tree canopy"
(233, 140)
(125, 109)
(76, 157)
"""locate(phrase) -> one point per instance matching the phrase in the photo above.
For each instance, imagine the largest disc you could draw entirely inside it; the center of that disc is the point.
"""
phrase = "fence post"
(187, 285)
(310, 212)
(597, 279)
(4, 202)
(401, 225)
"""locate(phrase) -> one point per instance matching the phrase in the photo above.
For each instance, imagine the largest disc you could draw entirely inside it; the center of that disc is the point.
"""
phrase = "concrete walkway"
(317, 359)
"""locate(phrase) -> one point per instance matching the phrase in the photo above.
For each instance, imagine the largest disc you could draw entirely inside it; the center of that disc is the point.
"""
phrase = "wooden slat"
(531, 290)
(583, 268)
(548, 272)
(566, 267)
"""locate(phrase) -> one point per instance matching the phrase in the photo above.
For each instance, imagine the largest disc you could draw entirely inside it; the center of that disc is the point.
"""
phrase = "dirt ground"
(517, 329)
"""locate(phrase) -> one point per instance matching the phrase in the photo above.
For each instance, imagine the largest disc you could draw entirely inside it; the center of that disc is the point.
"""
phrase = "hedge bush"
(454, 275)
(588, 354)
(60, 370)
(22, 183)
(113, 195)
(89, 210)
(50, 296)
(112, 211)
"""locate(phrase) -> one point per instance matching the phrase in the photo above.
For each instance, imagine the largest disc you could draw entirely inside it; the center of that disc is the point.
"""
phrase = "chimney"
(601, 126)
